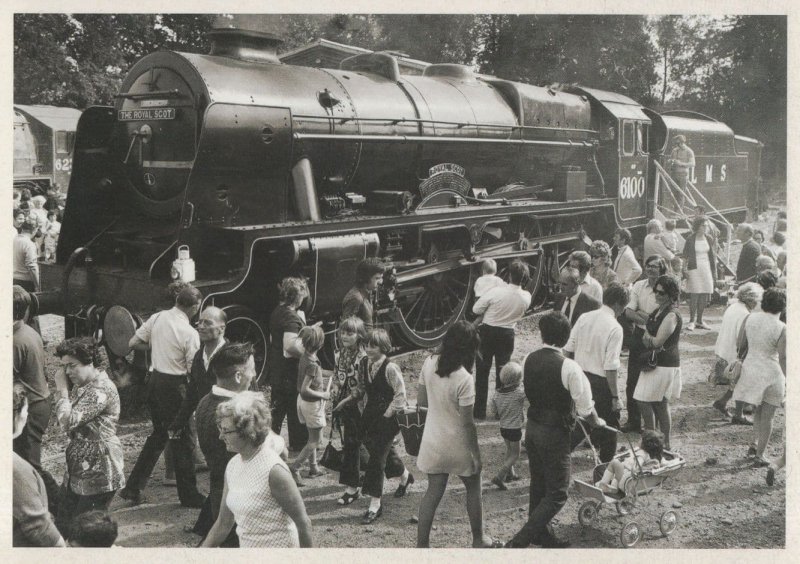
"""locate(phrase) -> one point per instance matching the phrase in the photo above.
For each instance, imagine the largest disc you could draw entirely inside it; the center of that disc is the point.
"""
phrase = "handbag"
(412, 425)
(734, 371)
(648, 360)
(331, 456)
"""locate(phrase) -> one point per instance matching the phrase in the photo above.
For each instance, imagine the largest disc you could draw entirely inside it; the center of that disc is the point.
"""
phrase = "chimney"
(245, 45)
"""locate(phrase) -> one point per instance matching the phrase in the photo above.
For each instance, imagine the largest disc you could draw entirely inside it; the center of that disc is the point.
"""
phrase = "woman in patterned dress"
(88, 414)
(260, 496)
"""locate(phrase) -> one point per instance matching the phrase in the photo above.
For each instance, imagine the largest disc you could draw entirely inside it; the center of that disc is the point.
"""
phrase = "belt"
(166, 375)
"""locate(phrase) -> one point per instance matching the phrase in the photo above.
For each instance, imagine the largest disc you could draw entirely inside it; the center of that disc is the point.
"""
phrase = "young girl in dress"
(310, 401)
(508, 403)
(349, 380)
(618, 473)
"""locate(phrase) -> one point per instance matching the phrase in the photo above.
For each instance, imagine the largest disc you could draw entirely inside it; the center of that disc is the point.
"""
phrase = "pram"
(634, 498)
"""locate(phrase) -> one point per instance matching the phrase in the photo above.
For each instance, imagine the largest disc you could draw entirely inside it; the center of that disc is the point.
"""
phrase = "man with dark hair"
(746, 267)
(556, 389)
(595, 343)
(233, 368)
(501, 307)
(589, 286)
(572, 301)
(28, 370)
(93, 529)
(173, 343)
(358, 301)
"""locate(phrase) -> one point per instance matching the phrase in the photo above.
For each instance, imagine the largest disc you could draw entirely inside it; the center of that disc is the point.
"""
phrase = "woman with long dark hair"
(657, 386)
(450, 440)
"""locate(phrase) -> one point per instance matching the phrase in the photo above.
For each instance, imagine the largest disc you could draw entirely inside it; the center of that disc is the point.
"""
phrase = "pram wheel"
(630, 534)
(624, 507)
(668, 522)
(587, 513)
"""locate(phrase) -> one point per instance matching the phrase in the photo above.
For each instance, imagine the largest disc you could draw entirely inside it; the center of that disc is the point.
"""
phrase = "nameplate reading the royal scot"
(146, 115)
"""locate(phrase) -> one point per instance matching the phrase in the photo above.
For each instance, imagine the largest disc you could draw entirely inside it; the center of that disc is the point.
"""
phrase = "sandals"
(719, 406)
(736, 420)
(347, 498)
(760, 463)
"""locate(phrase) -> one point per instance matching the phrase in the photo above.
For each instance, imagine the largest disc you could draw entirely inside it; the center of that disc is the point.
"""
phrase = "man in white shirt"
(625, 265)
(173, 343)
(595, 343)
(642, 303)
(501, 307)
(589, 286)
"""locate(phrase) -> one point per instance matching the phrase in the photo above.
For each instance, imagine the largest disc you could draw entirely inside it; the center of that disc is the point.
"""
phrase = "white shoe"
(690, 326)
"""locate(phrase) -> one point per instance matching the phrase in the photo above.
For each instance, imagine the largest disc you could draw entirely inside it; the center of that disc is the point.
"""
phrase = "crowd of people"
(200, 400)
(43, 216)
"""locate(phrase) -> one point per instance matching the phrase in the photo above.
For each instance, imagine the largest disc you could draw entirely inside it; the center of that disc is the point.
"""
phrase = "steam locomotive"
(265, 170)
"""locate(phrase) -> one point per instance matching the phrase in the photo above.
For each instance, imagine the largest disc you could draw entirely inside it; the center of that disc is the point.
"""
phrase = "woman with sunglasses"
(658, 386)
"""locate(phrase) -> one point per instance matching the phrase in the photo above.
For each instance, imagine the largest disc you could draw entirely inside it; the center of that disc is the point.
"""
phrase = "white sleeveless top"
(260, 521)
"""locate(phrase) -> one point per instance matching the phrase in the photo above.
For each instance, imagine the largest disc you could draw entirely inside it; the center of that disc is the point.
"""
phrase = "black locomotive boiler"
(264, 170)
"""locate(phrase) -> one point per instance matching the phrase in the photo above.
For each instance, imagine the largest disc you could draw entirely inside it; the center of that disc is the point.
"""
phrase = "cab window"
(641, 137)
(627, 138)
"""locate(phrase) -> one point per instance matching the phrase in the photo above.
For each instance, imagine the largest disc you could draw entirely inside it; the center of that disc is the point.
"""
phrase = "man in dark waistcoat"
(556, 389)
(234, 369)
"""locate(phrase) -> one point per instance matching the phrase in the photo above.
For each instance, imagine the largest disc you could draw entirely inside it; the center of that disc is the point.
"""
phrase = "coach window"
(627, 138)
(62, 142)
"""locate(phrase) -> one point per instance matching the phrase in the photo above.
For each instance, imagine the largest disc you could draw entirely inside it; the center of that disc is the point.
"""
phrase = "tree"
(79, 60)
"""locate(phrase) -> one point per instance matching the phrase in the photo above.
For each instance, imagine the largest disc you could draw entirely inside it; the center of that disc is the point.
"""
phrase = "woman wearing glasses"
(260, 496)
(658, 386)
(88, 414)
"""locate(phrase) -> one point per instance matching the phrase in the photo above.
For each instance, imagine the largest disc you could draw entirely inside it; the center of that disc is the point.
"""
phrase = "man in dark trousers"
(173, 343)
(234, 370)
(746, 267)
(572, 302)
(595, 344)
(28, 370)
(501, 308)
(556, 389)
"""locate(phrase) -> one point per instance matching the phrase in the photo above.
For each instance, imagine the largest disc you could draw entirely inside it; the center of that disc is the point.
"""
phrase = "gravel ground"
(721, 500)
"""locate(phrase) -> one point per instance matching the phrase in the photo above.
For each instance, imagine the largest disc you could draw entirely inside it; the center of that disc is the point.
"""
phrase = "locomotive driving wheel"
(431, 299)
(242, 327)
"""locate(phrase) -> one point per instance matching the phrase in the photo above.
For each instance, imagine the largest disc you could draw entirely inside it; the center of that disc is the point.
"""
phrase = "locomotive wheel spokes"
(427, 306)
(243, 328)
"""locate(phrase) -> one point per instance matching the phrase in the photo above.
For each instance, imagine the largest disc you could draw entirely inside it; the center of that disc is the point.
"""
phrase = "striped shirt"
(508, 405)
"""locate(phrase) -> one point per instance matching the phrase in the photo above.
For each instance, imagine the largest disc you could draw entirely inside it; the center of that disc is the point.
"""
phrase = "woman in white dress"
(260, 496)
(450, 440)
(700, 271)
(763, 379)
(657, 387)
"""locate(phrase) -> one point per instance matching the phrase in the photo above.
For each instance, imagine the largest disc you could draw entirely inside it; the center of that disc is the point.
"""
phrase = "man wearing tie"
(572, 302)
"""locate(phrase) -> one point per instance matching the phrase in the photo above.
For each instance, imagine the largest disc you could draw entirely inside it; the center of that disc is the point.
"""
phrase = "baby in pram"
(650, 457)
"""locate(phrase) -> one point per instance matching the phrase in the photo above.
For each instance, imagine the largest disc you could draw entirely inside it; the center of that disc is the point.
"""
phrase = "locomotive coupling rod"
(429, 139)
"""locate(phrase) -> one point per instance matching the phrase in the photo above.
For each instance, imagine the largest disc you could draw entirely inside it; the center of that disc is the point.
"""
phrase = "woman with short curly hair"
(601, 270)
(260, 496)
